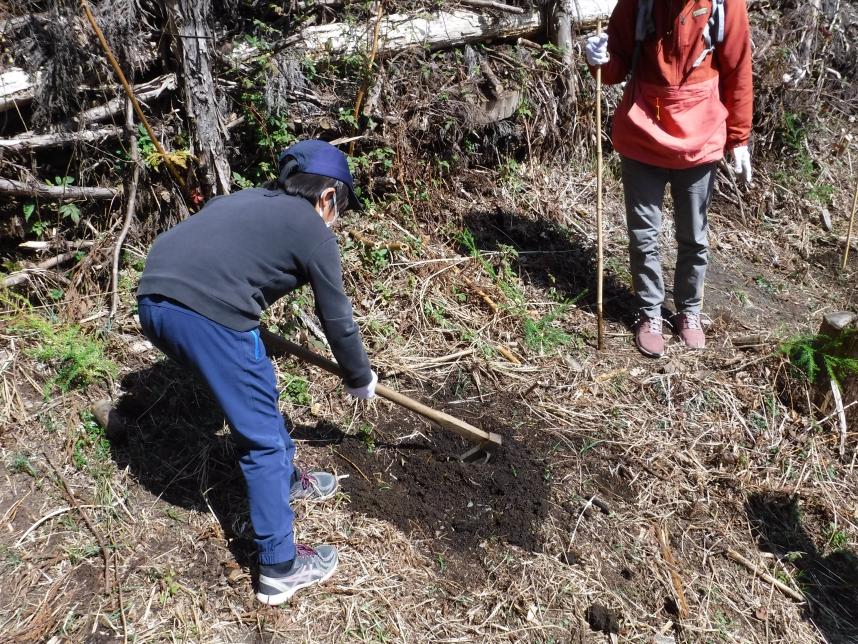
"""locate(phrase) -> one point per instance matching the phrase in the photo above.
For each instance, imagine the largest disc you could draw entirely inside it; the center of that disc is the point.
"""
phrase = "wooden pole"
(851, 225)
(276, 344)
(600, 320)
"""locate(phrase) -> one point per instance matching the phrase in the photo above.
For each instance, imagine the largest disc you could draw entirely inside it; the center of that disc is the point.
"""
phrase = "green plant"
(91, 448)
(296, 391)
(541, 335)
(77, 357)
(366, 436)
(835, 538)
(816, 356)
(21, 463)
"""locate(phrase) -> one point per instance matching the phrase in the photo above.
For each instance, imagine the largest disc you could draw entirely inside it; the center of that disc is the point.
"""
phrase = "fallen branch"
(841, 415)
(739, 559)
(144, 92)
(36, 189)
(129, 209)
(83, 515)
(491, 4)
(46, 245)
(29, 141)
(22, 276)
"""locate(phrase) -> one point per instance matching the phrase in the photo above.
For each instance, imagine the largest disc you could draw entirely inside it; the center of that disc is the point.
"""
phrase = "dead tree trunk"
(192, 44)
(559, 25)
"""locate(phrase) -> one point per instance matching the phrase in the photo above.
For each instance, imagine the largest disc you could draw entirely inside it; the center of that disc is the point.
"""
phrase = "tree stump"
(843, 325)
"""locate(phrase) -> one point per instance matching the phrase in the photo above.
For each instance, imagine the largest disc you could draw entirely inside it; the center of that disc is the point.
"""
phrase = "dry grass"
(697, 446)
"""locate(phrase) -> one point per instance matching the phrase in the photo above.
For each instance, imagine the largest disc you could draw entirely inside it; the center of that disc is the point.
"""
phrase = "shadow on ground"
(177, 449)
(550, 256)
(829, 581)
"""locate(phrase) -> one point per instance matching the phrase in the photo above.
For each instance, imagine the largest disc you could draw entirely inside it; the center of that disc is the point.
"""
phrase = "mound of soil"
(422, 486)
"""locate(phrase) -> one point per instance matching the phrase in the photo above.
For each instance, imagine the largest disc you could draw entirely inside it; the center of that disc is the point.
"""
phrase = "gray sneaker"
(314, 486)
(311, 566)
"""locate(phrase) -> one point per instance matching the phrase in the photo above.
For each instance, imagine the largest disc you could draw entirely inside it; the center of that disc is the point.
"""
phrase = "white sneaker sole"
(276, 600)
(315, 499)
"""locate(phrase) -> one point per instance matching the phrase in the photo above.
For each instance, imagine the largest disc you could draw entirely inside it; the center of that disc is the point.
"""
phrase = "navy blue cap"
(322, 158)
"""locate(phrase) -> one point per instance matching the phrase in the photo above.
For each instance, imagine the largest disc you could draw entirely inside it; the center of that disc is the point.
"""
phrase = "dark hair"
(309, 186)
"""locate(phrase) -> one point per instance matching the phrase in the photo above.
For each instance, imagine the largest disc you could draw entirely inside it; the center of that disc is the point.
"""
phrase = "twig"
(350, 462)
(492, 4)
(739, 559)
(667, 554)
(851, 225)
(83, 515)
(841, 415)
(310, 323)
(129, 210)
(482, 294)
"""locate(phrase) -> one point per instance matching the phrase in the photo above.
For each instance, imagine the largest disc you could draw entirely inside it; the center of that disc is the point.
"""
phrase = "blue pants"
(234, 366)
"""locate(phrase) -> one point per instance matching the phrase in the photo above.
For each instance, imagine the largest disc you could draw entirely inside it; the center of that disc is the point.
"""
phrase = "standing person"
(205, 284)
(687, 102)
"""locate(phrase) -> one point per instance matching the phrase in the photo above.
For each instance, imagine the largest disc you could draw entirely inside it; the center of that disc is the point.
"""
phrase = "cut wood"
(16, 88)
(30, 141)
(192, 42)
(36, 189)
(276, 345)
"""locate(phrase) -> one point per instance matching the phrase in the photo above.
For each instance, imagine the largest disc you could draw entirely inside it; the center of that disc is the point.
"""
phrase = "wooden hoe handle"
(277, 345)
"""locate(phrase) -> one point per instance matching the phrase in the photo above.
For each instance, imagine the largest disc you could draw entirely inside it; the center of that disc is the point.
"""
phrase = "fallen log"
(36, 189)
(30, 141)
(433, 30)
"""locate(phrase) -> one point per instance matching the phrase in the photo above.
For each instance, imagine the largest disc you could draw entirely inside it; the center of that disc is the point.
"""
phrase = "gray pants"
(691, 189)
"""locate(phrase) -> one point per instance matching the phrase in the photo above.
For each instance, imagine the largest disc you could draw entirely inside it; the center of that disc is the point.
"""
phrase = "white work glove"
(742, 162)
(597, 50)
(367, 391)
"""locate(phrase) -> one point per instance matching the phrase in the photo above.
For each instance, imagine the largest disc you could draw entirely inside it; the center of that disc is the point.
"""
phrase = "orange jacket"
(664, 78)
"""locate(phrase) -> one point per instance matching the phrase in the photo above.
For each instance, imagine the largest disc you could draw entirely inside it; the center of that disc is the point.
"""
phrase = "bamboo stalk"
(279, 345)
(851, 225)
(600, 267)
(130, 93)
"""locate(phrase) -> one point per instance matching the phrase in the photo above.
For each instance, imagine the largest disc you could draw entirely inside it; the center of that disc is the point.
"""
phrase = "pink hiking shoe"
(648, 337)
(690, 330)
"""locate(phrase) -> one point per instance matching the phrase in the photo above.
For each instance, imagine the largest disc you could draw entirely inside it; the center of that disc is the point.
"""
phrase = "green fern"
(814, 356)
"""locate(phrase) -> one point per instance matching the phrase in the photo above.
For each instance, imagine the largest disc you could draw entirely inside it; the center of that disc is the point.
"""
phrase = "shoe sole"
(647, 353)
(314, 499)
(276, 600)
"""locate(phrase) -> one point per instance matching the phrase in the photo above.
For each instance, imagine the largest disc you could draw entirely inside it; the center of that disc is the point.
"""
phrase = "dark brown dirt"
(603, 619)
(422, 487)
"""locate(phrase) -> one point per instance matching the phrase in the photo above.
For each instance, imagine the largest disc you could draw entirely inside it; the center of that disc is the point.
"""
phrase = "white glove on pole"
(742, 162)
(367, 391)
(597, 50)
